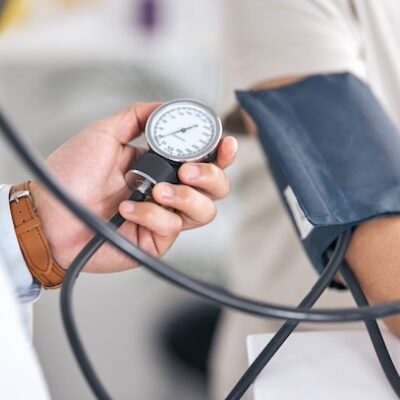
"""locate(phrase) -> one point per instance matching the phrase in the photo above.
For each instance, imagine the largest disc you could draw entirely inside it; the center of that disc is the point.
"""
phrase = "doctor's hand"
(92, 166)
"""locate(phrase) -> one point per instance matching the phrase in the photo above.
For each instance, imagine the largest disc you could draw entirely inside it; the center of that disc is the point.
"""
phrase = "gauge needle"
(182, 130)
(190, 127)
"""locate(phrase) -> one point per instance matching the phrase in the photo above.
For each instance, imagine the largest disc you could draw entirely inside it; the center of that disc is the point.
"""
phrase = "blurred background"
(63, 64)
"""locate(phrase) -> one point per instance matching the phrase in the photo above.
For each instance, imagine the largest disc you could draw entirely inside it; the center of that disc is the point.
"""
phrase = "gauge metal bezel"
(204, 153)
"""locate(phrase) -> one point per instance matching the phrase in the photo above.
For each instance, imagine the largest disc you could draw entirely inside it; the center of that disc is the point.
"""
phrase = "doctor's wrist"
(64, 232)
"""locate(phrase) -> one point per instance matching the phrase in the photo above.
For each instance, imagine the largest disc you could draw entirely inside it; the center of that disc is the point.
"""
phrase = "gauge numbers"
(183, 130)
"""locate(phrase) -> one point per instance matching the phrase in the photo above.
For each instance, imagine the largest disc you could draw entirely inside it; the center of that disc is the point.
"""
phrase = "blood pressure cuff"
(334, 154)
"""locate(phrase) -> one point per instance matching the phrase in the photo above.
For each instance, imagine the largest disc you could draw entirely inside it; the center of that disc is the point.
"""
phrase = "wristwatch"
(34, 245)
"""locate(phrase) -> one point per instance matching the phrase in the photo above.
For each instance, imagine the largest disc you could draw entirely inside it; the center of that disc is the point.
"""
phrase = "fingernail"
(192, 172)
(167, 191)
(129, 207)
(234, 145)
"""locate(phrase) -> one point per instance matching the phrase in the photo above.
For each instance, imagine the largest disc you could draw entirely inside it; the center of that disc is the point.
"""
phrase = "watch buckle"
(19, 195)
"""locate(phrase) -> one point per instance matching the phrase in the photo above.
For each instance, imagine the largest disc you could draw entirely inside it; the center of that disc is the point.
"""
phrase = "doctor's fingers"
(227, 151)
(195, 208)
(128, 123)
(209, 177)
(164, 224)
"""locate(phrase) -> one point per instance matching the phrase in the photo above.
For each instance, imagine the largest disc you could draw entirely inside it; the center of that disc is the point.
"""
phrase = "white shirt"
(20, 374)
(24, 287)
(268, 39)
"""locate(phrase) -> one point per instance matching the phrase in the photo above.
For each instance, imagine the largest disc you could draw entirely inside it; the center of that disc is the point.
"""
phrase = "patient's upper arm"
(268, 84)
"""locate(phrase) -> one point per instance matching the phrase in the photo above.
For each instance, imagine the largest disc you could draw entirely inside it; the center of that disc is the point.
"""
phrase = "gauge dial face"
(183, 130)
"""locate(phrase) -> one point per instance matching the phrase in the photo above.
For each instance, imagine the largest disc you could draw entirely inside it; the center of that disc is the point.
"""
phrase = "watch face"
(183, 130)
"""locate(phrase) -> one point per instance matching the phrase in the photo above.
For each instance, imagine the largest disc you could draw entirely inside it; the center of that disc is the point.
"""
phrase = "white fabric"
(25, 289)
(9, 247)
(267, 39)
(20, 374)
(324, 365)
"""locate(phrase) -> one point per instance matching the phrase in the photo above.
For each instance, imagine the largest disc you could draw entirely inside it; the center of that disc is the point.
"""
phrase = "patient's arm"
(374, 257)
(374, 251)
(271, 84)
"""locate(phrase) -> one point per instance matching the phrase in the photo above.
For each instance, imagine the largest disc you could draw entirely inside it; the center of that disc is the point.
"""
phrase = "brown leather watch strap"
(31, 238)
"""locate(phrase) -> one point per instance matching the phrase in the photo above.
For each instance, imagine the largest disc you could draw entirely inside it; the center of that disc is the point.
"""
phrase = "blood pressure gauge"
(184, 131)
(177, 132)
